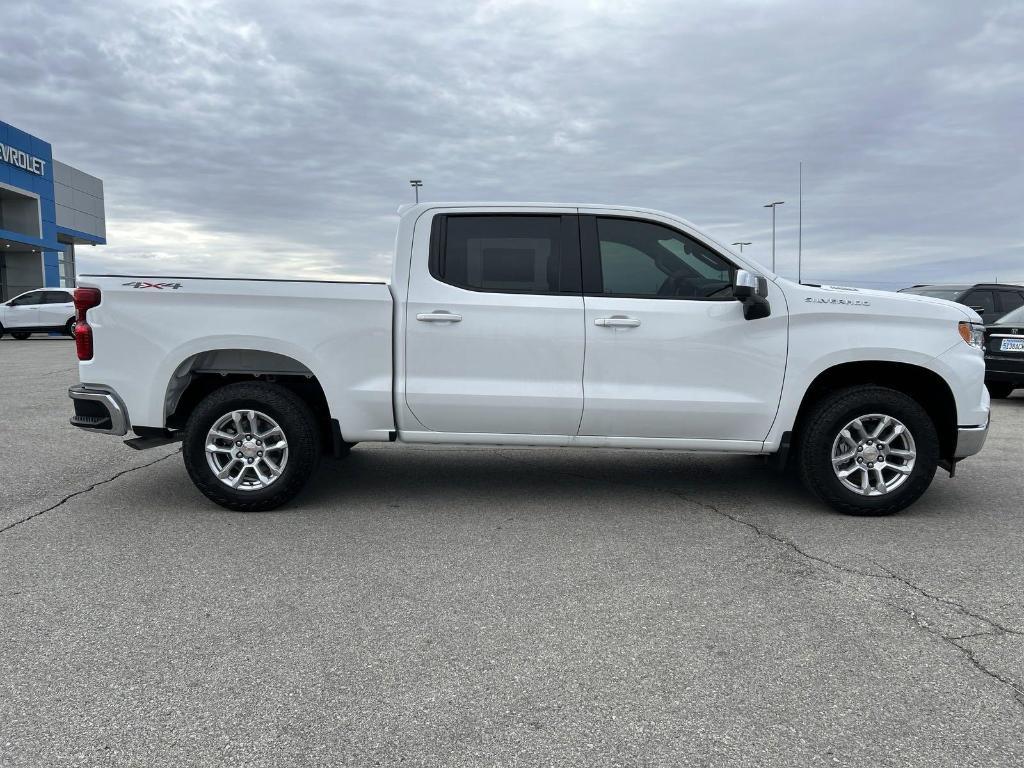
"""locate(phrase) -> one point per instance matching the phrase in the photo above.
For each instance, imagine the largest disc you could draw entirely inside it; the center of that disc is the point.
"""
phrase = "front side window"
(647, 260)
(1011, 300)
(983, 301)
(503, 254)
(28, 299)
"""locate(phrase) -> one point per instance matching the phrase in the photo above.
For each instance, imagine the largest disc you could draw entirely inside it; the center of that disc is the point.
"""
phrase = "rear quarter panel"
(339, 331)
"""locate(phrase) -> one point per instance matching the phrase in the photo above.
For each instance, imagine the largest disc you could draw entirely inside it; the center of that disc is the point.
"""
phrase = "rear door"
(669, 352)
(494, 326)
(56, 309)
(23, 311)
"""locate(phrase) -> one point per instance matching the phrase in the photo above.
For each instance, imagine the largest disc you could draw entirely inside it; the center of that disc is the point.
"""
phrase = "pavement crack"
(996, 629)
(95, 485)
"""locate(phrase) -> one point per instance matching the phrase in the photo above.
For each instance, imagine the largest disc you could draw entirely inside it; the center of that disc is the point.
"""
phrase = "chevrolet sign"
(23, 160)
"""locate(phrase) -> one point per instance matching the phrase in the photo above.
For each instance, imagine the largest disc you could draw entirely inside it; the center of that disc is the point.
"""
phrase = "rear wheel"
(69, 328)
(251, 446)
(999, 390)
(20, 335)
(868, 450)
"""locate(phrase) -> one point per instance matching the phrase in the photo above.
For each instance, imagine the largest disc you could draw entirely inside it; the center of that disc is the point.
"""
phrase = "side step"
(161, 437)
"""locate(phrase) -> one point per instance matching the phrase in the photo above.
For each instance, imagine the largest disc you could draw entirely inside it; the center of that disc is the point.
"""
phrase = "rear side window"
(57, 297)
(506, 254)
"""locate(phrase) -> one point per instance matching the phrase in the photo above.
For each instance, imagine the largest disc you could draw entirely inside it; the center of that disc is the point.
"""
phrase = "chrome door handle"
(439, 317)
(617, 322)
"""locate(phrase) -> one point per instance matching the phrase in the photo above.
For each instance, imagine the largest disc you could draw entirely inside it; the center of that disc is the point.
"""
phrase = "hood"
(858, 300)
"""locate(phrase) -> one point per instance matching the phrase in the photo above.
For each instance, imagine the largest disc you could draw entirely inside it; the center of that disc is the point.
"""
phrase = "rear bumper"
(969, 440)
(98, 409)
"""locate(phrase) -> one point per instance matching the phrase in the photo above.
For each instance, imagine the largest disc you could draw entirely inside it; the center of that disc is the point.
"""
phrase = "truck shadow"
(547, 479)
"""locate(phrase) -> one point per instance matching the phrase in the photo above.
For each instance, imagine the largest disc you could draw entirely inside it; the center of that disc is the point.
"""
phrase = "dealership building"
(46, 209)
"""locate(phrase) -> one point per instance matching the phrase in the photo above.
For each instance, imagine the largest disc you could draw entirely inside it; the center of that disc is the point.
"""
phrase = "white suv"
(40, 311)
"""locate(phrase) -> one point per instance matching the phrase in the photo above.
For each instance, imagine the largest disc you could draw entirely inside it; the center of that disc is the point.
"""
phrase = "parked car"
(990, 300)
(536, 325)
(44, 310)
(1004, 354)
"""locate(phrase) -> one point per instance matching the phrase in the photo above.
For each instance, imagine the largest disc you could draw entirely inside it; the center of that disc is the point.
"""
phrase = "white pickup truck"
(539, 325)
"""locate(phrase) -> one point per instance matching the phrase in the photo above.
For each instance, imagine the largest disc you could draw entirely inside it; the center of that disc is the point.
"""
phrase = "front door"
(494, 327)
(669, 352)
(23, 311)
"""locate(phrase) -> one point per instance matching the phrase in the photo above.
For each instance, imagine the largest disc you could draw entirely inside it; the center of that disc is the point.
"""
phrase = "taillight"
(83, 340)
(85, 299)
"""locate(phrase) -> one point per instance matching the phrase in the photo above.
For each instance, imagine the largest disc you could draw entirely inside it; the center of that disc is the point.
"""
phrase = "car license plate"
(1012, 345)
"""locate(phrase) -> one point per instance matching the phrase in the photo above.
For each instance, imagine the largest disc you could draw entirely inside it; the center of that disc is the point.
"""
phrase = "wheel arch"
(204, 372)
(922, 384)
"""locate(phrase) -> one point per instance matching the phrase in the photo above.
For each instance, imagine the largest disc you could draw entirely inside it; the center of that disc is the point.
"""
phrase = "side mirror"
(752, 290)
(979, 310)
(745, 285)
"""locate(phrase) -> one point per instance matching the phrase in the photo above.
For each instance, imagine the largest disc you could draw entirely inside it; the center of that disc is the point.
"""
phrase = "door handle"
(439, 317)
(618, 321)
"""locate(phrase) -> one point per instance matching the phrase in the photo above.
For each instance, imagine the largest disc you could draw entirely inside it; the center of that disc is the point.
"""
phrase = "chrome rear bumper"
(98, 409)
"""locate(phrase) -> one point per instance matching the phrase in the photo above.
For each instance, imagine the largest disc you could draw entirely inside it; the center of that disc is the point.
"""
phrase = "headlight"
(972, 333)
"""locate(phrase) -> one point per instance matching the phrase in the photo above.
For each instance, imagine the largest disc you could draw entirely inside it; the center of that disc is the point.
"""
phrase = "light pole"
(416, 184)
(772, 206)
(742, 244)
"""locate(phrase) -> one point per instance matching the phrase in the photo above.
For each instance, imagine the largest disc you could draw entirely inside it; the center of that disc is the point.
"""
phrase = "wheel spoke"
(251, 416)
(901, 468)
(838, 459)
(902, 454)
(264, 479)
(849, 471)
(275, 469)
(880, 481)
(860, 427)
(236, 417)
(272, 431)
(222, 435)
(865, 485)
(226, 471)
(896, 432)
(882, 425)
(218, 448)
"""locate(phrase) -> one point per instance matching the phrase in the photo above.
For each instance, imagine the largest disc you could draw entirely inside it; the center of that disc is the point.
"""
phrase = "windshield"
(1012, 318)
(949, 294)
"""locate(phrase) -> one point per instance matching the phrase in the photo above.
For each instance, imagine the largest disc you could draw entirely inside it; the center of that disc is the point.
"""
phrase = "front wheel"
(251, 446)
(20, 335)
(868, 450)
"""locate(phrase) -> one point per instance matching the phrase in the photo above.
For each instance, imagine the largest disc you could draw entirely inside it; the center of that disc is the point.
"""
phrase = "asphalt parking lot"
(472, 607)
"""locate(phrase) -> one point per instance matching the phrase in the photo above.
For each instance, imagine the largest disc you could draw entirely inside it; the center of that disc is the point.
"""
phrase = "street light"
(416, 184)
(772, 206)
(742, 244)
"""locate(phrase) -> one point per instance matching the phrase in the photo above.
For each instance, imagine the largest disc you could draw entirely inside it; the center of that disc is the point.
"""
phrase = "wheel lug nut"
(238, 442)
(248, 461)
(239, 454)
(259, 453)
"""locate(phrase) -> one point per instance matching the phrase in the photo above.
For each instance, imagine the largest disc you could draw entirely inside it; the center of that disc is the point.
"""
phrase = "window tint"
(36, 297)
(506, 254)
(639, 258)
(1010, 300)
(57, 297)
(983, 301)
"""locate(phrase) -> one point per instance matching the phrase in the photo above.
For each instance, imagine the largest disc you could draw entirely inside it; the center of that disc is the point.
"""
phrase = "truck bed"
(149, 331)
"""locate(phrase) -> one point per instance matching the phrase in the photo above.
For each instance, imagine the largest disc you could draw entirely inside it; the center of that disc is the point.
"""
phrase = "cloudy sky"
(272, 138)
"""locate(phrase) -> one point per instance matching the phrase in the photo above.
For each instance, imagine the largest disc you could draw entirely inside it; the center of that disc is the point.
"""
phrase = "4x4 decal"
(158, 286)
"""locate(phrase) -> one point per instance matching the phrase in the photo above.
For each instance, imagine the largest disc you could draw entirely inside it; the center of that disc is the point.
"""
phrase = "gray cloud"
(277, 138)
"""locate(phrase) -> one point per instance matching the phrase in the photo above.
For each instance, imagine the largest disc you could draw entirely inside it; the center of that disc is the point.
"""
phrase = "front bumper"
(969, 440)
(98, 409)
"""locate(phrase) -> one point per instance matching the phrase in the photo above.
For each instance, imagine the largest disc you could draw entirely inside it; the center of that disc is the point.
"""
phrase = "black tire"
(999, 390)
(20, 335)
(69, 328)
(2, 331)
(282, 405)
(833, 413)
